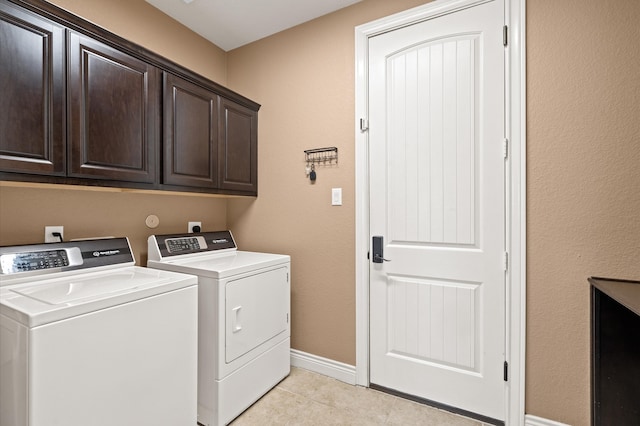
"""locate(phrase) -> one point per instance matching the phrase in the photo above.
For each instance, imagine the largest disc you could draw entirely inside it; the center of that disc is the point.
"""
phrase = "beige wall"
(25, 211)
(583, 157)
(138, 21)
(583, 93)
(583, 90)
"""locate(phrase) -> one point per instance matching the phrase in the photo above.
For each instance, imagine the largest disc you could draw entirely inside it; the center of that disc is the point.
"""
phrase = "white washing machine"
(243, 309)
(88, 338)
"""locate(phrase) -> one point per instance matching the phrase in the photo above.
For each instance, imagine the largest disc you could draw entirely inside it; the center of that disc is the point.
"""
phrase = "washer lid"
(220, 265)
(42, 301)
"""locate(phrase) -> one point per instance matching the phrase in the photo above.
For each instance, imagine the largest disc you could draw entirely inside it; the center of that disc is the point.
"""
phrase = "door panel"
(432, 181)
(256, 311)
(32, 101)
(190, 134)
(238, 147)
(115, 104)
(436, 125)
(433, 321)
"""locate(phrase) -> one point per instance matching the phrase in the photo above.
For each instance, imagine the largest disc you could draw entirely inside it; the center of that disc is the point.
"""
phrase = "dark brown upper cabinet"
(80, 105)
(190, 134)
(238, 147)
(32, 98)
(114, 103)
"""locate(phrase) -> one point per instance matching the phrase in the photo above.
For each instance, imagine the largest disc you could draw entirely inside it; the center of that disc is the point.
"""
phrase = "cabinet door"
(115, 106)
(32, 101)
(190, 132)
(238, 147)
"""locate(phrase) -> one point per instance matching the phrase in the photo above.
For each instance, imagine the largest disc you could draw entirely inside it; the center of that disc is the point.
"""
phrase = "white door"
(257, 311)
(437, 185)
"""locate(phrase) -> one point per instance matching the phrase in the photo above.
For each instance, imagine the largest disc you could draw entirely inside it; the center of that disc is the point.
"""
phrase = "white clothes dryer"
(88, 338)
(244, 325)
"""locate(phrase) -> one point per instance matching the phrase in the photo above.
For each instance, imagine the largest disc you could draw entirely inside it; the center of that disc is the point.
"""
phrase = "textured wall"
(583, 178)
(24, 212)
(583, 157)
(138, 21)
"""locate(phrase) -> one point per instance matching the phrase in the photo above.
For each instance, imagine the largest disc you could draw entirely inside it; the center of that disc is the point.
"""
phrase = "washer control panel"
(165, 246)
(17, 262)
(28, 261)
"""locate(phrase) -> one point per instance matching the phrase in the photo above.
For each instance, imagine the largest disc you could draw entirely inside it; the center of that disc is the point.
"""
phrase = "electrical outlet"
(48, 234)
(192, 225)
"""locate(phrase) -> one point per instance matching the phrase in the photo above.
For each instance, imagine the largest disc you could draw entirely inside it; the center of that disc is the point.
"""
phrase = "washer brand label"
(105, 253)
(220, 241)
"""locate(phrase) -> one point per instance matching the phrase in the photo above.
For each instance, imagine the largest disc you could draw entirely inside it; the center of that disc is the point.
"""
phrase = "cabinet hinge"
(287, 277)
(364, 124)
(506, 371)
(287, 318)
(506, 261)
(505, 148)
(505, 36)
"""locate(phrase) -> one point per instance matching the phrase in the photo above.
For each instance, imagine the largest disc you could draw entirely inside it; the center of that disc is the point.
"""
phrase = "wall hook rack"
(321, 155)
(317, 156)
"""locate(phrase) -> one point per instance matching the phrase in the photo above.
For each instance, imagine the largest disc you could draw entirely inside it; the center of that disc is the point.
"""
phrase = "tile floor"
(307, 398)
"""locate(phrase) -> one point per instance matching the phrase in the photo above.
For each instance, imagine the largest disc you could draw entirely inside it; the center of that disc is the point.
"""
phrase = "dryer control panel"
(163, 246)
(185, 244)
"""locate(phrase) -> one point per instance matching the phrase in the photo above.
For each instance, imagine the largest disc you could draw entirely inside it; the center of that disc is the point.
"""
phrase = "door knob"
(378, 250)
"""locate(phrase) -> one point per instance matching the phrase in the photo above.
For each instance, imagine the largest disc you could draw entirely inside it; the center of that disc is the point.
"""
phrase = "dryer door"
(257, 311)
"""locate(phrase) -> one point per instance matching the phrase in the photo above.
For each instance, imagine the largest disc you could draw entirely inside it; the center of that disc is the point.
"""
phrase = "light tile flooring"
(306, 398)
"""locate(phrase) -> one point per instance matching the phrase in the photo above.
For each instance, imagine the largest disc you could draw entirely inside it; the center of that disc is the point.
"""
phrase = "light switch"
(336, 196)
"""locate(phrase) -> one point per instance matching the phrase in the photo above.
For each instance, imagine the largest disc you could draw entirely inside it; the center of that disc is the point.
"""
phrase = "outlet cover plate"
(48, 234)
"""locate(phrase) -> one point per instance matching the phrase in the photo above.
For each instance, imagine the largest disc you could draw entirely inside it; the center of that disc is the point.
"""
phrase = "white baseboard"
(338, 370)
(530, 420)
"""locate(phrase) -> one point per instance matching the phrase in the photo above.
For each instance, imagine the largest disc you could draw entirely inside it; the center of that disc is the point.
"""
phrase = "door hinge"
(506, 261)
(506, 371)
(287, 318)
(505, 148)
(364, 124)
(287, 277)
(505, 35)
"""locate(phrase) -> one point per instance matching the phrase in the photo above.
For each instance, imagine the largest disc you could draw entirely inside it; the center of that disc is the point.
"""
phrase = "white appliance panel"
(92, 339)
(248, 384)
(222, 265)
(65, 295)
(13, 380)
(243, 312)
(80, 367)
(257, 310)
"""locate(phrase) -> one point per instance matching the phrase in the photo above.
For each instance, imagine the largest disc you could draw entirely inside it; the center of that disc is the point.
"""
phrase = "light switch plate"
(336, 196)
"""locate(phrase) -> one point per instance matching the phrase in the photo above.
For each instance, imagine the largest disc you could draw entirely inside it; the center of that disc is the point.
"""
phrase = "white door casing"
(456, 215)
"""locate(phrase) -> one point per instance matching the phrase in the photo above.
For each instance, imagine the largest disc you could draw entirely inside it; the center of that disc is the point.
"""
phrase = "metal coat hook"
(317, 156)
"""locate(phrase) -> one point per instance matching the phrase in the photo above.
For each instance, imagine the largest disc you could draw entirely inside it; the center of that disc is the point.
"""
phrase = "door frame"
(515, 122)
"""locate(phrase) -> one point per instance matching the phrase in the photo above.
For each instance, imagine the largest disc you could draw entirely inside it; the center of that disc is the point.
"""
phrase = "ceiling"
(233, 23)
